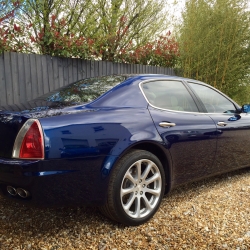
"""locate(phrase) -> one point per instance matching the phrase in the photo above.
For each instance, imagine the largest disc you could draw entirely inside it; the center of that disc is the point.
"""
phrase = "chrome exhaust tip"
(12, 191)
(22, 193)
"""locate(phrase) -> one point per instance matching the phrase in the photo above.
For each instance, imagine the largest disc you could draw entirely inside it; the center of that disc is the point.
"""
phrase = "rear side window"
(213, 101)
(166, 94)
(85, 90)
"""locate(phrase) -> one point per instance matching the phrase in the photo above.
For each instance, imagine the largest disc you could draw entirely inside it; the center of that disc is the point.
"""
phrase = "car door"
(233, 143)
(189, 135)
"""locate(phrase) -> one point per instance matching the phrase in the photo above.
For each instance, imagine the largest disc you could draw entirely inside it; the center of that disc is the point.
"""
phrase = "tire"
(134, 196)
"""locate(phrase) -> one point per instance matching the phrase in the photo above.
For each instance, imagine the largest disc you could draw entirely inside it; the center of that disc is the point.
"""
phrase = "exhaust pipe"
(12, 191)
(22, 193)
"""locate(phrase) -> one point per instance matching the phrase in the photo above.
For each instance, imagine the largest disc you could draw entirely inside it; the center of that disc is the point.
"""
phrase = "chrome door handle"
(167, 124)
(222, 124)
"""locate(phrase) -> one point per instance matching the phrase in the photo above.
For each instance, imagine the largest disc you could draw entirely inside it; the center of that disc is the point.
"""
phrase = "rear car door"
(189, 135)
(233, 143)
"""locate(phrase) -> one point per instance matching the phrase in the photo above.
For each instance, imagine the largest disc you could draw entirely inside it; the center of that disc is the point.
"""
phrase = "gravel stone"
(209, 214)
(247, 234)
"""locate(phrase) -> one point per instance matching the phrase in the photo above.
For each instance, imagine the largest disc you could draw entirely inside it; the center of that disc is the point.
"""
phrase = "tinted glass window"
(169, 95)
(213, 101)
(85, 90)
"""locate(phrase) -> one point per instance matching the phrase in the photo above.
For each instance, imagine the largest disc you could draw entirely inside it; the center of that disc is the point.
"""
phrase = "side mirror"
(245, 108)
(234, 118)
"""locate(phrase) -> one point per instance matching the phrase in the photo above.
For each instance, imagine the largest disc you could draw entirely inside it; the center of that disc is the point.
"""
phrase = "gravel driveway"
(209, 214)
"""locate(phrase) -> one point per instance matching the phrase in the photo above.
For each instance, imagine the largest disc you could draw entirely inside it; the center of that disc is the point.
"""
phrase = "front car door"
(189, 135)
(233, 143)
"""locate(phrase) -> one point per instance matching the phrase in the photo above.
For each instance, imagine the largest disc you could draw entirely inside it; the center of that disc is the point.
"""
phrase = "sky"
(175, 11)
(178, 6)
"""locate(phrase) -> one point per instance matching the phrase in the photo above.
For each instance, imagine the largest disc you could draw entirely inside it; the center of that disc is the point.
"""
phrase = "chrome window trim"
(180, 80)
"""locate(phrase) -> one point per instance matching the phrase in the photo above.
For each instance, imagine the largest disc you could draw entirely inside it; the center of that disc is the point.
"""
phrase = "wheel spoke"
(138, 207)
(129, 204)
(130, 177)
(155, 192)
(155, 177)
(125, 191)
(147, 170)
(147, 203)
(138, 169)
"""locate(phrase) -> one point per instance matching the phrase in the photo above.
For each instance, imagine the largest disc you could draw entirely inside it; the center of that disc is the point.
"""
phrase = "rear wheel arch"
(162, 155)
(158, 150)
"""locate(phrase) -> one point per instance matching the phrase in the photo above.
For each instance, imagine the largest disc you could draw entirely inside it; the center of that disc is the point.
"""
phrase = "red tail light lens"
(29, 142)
(32, 143)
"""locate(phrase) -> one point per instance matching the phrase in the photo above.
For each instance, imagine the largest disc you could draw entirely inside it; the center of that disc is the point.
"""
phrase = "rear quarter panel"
(104, 132)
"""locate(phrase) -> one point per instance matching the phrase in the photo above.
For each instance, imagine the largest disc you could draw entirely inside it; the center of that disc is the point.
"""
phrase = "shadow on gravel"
(35, 222)
(208, 183)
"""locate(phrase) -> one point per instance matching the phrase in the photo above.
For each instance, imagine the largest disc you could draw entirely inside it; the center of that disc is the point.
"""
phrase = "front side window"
(167, 94)
(213, 101)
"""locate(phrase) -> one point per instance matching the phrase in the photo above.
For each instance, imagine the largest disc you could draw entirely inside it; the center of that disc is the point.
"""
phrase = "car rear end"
(21, 147)
(28, 174)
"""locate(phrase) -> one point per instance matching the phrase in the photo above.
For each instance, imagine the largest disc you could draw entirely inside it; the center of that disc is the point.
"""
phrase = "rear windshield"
(85, 90)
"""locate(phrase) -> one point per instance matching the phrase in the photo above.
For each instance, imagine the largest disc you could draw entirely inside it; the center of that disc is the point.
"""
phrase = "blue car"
(119, 142)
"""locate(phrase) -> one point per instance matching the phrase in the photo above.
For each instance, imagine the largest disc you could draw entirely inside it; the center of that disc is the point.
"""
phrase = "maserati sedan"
(119, 142)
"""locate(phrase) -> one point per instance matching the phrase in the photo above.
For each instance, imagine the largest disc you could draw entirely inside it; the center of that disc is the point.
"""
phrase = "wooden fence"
(24, 77)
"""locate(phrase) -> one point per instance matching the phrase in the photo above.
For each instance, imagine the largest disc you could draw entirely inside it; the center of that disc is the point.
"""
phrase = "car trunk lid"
(12, 118)
(10, 124)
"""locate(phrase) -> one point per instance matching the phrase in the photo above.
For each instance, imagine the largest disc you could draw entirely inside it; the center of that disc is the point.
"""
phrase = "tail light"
(29, 141)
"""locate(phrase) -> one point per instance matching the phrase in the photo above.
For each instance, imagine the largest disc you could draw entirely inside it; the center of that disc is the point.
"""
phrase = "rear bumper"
(56, 182)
